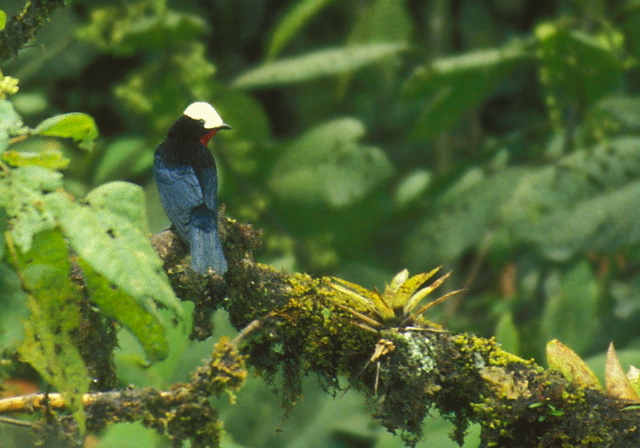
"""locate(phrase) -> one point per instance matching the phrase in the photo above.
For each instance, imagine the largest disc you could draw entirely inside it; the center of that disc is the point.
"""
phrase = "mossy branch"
(21, 28)
(182, 413)
(297, 324)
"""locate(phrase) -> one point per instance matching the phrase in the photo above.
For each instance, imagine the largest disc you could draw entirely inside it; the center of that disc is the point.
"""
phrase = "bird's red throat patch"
(206, 137)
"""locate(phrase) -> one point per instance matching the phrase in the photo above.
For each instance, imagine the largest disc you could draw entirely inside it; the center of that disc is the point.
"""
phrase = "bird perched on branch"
(187, 180)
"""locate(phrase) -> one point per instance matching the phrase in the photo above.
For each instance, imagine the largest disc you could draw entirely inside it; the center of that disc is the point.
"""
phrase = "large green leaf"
(49, 342)
(292, 22)
(110, 236)
(140, 318)
(316, 65)
(329, 166)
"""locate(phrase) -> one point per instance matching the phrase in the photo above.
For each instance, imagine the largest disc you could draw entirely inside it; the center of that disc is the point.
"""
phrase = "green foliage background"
(500, 139)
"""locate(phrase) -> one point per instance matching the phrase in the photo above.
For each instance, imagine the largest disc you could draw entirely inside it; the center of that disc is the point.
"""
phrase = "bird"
(187, 180)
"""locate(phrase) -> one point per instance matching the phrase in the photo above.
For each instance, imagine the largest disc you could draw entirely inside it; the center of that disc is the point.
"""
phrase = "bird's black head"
(200, 121)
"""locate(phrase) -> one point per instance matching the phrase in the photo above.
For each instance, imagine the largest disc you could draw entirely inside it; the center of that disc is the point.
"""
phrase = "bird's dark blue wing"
(205, 170)
(180, 193)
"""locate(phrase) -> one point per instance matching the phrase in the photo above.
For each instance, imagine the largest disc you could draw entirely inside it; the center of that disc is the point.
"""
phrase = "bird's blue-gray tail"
(206, 247)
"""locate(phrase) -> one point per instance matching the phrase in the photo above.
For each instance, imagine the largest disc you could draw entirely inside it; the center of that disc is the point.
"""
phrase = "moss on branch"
(21, 28)
(299, 327)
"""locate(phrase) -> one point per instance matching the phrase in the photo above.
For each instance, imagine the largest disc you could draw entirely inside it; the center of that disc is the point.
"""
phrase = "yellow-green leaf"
(3, 19)
(77, 126)
(50, 159)
(570, 365)
(616, 380)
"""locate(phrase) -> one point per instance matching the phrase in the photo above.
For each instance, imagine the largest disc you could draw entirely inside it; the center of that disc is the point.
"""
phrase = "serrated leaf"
(293, 21)
(50, 159)
(616, 380)
(570, 365)
(328, 166)
(22, 192)
(51, 330)
(10, 122)
(570, 311)
(316, 65)
(76, 125)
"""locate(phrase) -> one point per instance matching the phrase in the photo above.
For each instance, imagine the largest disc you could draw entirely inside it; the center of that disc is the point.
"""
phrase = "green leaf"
(52, 159)
(50, 332)
(22, 193)
(3, 19)
(292, 22)
(140, 318)
(10, 122)
(451, 86)
(77, 126)
(316, 65)
(110, 235)
(328, 165)
(570, 312)
(577, 67)
(14, 304)
(580, 203)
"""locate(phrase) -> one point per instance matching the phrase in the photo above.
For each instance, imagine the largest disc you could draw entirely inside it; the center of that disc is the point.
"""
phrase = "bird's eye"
(201, 121)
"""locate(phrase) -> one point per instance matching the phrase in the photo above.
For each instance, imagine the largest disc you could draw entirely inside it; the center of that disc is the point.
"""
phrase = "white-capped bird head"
(206, 114)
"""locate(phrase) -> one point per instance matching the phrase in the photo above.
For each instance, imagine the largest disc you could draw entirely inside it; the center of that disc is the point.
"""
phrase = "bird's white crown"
(204, 111)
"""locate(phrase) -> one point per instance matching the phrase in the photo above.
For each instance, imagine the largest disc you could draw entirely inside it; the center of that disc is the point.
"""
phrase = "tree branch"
(297, 324)
(21, 28)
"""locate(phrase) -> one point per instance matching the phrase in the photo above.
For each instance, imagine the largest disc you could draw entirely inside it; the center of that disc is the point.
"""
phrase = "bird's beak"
(225, 126)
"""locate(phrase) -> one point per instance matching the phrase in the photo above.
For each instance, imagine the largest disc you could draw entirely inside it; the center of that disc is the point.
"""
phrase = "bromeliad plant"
(395, 310)
(396, 307)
